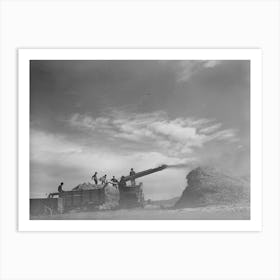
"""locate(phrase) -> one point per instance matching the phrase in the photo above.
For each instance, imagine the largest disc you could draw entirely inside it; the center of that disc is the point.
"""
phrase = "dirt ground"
(199, 213)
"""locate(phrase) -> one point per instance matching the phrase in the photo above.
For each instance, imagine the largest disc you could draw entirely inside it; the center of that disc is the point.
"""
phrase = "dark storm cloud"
(62, 87)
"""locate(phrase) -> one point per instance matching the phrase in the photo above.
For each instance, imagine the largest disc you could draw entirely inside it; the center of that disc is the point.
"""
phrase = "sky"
(110, 116)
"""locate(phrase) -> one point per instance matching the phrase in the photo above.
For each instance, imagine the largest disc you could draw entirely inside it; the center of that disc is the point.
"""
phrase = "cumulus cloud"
(156, 131)
(57, 149)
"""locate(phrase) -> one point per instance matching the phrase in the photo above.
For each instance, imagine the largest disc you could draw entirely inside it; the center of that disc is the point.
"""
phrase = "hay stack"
(207, 186)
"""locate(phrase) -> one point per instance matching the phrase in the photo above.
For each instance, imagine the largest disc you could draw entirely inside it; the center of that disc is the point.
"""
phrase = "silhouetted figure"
(114, 181)
(59, 189)
(103, 179)
(132, 173)
(94, 177)
(122, 183)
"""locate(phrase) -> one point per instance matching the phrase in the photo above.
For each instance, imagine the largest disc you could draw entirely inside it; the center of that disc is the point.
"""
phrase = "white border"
(254, 224)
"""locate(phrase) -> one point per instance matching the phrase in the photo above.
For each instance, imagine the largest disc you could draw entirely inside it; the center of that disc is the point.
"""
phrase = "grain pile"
(112, 197)
(86, 186)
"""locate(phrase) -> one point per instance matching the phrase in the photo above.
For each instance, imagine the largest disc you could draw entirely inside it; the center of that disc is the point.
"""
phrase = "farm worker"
(114, 181)
(94, 177)
(103, 179)
(132, 173)
(122, 183)
(60, 187)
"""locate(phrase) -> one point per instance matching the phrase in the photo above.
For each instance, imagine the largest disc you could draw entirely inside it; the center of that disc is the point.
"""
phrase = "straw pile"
(207, 186)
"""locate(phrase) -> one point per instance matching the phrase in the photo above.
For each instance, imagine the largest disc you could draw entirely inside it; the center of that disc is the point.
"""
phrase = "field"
(199, 213)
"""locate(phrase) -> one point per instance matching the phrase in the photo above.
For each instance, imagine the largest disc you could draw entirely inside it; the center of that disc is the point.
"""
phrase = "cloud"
(48, 148)
(211, 63)
(55, 158)
(186, 69)
(210, 129)
(136, 140)
(155, 131)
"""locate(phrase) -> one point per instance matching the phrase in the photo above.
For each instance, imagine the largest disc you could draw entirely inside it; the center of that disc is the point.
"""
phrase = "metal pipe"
(145, 172)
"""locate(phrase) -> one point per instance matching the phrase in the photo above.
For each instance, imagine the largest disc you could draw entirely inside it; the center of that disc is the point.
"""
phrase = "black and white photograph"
(139, 139)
